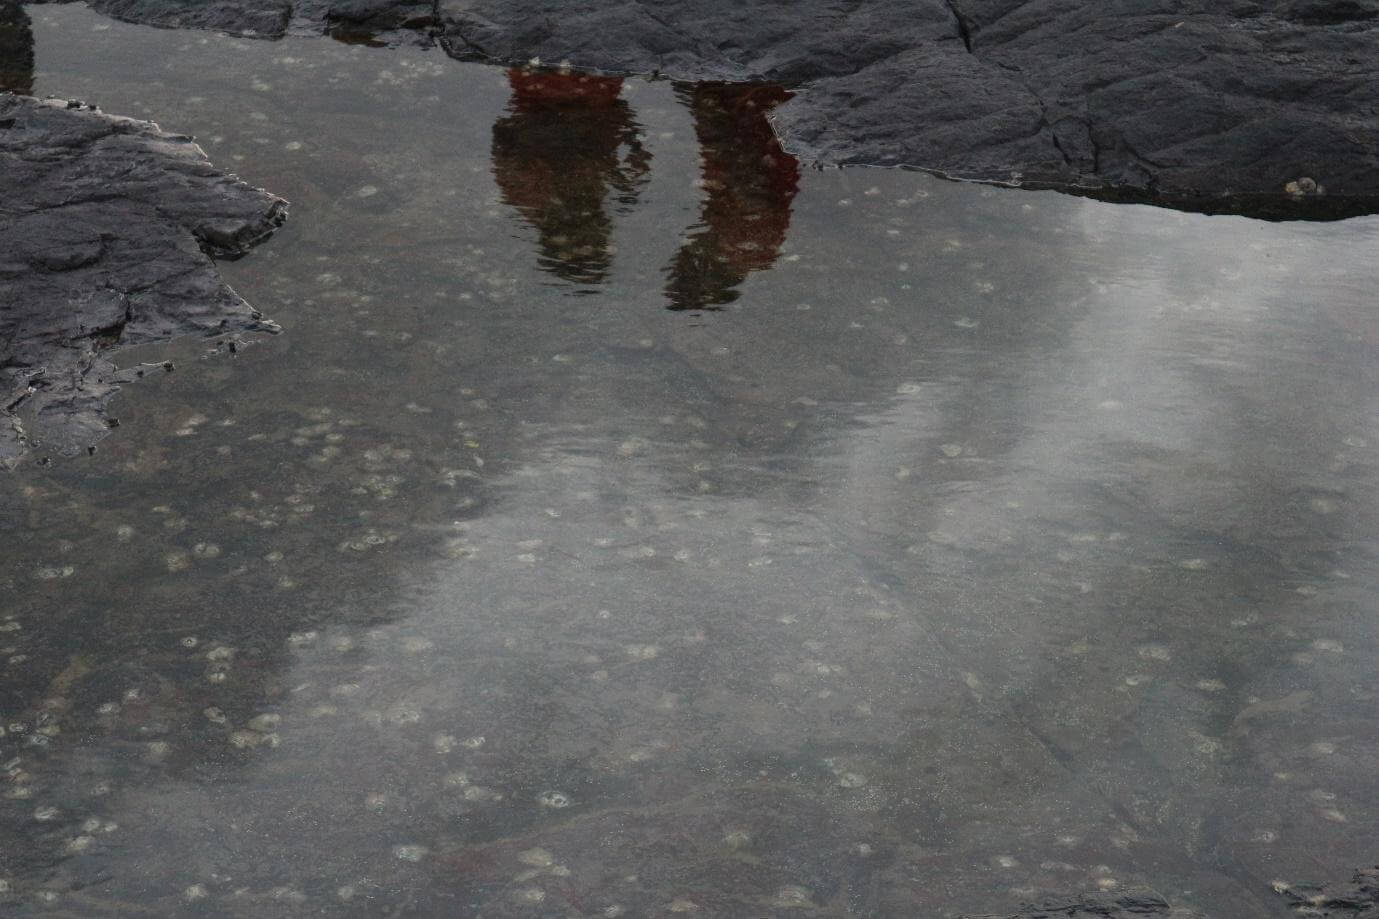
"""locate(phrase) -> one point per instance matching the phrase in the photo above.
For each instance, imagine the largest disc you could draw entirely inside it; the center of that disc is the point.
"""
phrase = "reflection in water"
(567, 140)
(750, 182)
(16, 49)
(1042, 559)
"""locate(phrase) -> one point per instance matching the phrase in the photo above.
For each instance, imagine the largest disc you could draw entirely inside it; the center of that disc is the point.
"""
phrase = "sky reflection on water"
(989, 543)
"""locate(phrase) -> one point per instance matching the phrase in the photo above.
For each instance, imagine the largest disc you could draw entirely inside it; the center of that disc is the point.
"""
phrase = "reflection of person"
(750, 182)
(16, 49)
(568, 139)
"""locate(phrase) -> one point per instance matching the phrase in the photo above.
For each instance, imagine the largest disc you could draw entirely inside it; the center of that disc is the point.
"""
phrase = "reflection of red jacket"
(750, 179)
(567, 140)
(537, 88)
(750, 182)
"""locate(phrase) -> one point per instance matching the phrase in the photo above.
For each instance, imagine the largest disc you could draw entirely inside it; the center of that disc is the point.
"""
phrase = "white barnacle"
(265, 724)
(792, 897)
(555, 799)
(537, 858)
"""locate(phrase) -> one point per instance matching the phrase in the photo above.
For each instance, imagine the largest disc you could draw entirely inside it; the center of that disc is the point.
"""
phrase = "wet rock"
(347, 19)
(268, 18)
(107, 228)
(1357, 900)
(1206, 106)
(1129, 905)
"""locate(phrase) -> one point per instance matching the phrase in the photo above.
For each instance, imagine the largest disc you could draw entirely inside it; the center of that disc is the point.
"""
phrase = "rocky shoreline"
(108, 226)
(1267, 108)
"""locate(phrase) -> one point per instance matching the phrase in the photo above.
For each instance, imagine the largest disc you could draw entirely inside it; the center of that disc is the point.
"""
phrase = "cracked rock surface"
(1264, 107)
(390, 19)
(1195, 103)
(107, 228)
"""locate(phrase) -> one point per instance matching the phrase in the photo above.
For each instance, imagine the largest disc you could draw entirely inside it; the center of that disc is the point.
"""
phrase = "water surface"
(631, 523)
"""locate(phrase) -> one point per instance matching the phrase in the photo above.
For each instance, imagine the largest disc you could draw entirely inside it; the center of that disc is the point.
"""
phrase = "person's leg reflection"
(568, 140)
(750, 182)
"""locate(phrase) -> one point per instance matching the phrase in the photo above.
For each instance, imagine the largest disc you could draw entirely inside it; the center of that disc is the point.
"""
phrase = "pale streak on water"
(991, 543)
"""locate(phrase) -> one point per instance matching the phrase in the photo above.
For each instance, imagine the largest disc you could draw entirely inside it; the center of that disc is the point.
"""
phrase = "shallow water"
(962, 544)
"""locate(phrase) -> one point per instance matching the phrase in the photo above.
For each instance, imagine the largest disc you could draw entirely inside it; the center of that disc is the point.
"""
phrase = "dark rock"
(1129, 905)
(1357, 900)
(107, 226)
(346, 19)
(1199, 104)
(266, 18)
(1203, 105)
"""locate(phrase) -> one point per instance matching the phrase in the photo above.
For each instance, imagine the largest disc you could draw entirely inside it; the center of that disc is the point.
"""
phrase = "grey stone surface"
(107, 228)
(390, 19)
(1264, 107)
(1207, 106)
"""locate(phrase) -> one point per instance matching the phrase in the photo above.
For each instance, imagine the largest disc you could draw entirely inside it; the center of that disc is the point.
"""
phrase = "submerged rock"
(107, 228)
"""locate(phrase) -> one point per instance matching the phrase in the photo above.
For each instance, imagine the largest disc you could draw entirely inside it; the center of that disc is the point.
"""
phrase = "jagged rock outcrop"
(107, 229)
(275, 18)
(1264, 107)
(1193, 103)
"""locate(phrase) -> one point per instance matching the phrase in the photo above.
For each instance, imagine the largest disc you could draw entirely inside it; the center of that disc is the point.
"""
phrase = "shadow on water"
(566, 142)
(16, 49)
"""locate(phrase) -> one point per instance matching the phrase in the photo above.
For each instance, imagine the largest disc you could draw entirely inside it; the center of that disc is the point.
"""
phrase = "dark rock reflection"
(16, 49)
(750, 182)
(568, 140)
